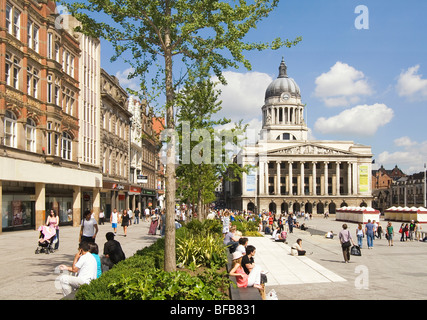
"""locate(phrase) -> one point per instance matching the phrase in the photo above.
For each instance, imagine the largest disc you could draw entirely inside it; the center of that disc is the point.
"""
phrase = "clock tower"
(283, 112)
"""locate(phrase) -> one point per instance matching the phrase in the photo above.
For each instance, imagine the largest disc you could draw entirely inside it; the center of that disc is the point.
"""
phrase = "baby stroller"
(46, 239)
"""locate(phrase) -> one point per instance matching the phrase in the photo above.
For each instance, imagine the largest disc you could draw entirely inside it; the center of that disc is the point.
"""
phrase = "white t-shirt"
(147, 211)
(87, 267)
(88, 227)
(241, 248)
(114, 217)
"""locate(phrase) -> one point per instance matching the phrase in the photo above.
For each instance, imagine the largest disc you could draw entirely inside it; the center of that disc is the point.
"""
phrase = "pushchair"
(46, 240)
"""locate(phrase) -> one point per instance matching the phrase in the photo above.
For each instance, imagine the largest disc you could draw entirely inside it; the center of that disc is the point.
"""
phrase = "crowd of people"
(88, 264)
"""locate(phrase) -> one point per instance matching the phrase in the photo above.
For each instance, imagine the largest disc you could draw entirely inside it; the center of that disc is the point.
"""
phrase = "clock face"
(285, 96)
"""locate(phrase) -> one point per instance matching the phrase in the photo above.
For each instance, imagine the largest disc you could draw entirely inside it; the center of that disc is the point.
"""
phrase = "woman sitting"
(296, 249)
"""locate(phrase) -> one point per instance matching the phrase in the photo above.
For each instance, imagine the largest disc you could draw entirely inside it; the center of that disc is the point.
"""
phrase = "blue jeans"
(370, 238)
(360, 240)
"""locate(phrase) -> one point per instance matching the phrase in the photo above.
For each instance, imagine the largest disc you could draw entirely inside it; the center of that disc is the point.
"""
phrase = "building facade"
(292, 173)
(39, 118)
(115, 144)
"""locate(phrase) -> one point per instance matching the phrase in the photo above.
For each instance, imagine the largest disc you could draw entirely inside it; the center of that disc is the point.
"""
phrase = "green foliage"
(199, 250)
(141, 277)
(246, 227)
(163, 285)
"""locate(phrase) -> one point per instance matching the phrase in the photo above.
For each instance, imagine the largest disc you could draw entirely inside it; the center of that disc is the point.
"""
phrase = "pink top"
(53, 222)
(241, 281)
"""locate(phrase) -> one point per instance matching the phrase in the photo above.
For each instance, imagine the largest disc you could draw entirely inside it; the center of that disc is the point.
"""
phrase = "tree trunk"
(170, 255)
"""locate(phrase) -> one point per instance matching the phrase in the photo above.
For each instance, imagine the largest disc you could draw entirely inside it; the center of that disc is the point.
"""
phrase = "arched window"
(66, 146)
(10, 129)
(30, 135)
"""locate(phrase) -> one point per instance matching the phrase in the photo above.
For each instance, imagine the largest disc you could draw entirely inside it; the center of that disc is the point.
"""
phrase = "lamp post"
(425, 190)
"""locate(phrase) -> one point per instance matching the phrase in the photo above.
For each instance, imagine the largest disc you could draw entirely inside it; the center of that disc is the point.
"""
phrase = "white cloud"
(122, 76)
(362, 120)
(411, 85)
(410, 159)
(243, 96)
(404, 142)
(341, 86)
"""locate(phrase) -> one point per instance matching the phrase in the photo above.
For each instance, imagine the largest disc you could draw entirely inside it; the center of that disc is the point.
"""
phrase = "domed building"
(292, 173)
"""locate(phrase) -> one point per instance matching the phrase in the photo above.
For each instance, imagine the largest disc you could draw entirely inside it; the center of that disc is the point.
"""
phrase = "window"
(49, 45)
(57, 92)
(66, 146)
(16, 23)
(33, 36)
(32, 81)
(56, 52)
(10, 129)
(12, 68)
(9, 18)
(30, 135)
(49, 89)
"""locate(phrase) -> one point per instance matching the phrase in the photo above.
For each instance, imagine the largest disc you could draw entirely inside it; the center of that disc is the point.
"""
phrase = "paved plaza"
(383, 273)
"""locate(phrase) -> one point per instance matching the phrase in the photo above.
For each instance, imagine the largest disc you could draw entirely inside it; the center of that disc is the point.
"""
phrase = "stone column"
(278, 178)
(326, 178)
(290, 177)
(314, 179)
(261, 177)
(338, 177)
(77, 197)
(40, 204)
(96, 204)
(302, 178)
(349, 178)
(266, 178)
(355, 182)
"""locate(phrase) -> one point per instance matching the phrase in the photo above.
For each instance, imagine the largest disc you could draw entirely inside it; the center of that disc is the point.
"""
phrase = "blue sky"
(364, 85)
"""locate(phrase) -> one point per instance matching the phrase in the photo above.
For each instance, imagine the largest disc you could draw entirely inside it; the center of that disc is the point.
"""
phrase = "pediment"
(309, 149)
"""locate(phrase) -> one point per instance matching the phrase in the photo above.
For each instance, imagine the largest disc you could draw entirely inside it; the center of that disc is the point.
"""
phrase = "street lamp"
(425, 190)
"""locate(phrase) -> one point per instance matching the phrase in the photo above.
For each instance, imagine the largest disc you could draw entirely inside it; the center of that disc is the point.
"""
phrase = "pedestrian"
(296, 249)
(237, 270)
(113, 252)
(114, 220)
(154, 224)
(84, 264)
(137, 213)
(101, 217)
(93, 249)
(162, 223)
(346, 241)
(290, 223)
(225, 223)
(147, 214)
(251, 269)
(53, 222)
(390, 234)
(375, 229)
(130, 214)
(89, 228)
(402, 232)
(418, 231)
(379, 231)
(369, 231)
(406, 231)
(360, 233)
(412, 230)
(125, 221)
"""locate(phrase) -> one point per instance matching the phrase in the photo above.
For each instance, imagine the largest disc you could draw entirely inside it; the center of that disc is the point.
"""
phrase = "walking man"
(369, 231)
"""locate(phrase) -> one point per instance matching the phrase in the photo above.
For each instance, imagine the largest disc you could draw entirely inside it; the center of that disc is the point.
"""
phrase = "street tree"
(156, 35)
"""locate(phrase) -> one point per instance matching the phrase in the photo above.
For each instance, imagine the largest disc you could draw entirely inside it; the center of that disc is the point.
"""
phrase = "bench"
(248, 293)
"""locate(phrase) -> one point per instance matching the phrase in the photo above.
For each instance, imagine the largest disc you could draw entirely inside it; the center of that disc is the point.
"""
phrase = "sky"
(361, 67)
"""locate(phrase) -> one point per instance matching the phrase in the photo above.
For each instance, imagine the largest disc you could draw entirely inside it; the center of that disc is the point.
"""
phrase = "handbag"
(355, 251)
(346, 244)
